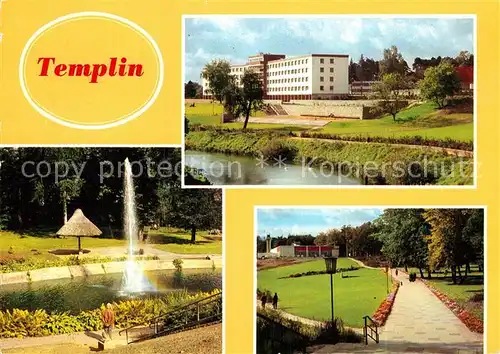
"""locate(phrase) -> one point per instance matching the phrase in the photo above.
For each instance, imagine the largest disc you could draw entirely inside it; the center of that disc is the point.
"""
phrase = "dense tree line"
(369, 69)
(39, 187)
(193, 90)
(304, 240)
(426, 239)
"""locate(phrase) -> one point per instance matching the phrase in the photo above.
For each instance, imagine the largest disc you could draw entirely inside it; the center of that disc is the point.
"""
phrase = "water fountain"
(134, 280)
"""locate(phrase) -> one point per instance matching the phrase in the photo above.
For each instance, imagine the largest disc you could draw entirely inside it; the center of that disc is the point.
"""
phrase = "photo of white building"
(304, 77)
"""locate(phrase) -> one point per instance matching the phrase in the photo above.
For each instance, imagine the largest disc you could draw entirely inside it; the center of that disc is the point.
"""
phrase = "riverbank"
(376, 164)
(102, 269)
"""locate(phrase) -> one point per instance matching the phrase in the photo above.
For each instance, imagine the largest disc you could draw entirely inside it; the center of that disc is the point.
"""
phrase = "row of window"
(288, 89)
(287, 63)
(296, 79)
(287, 72)
(292, 79)
(295, 62)
(294, 88)
(294, 71)
(322, 88)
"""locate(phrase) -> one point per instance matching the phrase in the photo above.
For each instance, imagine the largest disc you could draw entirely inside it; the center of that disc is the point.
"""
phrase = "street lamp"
(331, 268)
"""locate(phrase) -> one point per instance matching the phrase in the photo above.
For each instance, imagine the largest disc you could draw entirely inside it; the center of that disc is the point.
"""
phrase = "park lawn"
(26, 242)
(203, 113)
(419, 120)
(179, 241)
(309, 296)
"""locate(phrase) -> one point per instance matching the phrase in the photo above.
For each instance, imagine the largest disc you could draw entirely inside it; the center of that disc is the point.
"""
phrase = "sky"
(300, 221)
(235, 38)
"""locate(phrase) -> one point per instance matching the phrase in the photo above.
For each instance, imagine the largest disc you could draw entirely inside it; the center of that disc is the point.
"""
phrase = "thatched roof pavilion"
(79, 226)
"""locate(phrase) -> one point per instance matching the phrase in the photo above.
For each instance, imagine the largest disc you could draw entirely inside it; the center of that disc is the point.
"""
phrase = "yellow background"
(162, 125)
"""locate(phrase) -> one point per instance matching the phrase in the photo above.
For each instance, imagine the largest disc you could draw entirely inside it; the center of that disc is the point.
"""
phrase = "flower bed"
(470, 320)
(383, 311)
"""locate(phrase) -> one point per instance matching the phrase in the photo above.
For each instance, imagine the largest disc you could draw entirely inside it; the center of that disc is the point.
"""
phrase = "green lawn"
(43, 241)
(309, 296)
(204, 113)
(179, 241)
(420, 120)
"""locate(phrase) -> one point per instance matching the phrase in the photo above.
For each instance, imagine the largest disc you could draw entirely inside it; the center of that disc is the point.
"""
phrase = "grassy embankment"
(387, 160)
(423, 120)
(355, 296)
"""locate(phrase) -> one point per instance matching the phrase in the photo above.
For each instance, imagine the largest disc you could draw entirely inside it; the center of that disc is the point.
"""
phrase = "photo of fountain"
(134, 279)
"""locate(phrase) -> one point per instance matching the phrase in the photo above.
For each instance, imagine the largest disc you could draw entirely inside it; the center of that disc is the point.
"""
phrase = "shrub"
(22, 323)
(406, 140)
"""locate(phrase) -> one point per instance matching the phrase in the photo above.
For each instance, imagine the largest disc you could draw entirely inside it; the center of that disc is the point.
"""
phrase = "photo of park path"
(401, 291)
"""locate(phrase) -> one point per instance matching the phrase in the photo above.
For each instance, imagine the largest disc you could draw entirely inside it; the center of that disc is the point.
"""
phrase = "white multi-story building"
(313, 76)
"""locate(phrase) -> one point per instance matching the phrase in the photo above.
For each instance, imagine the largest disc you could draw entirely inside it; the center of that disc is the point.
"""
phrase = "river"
(223, 169)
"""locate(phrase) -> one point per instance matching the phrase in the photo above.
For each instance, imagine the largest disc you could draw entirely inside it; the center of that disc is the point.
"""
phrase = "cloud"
(285, 221)
(235, 37)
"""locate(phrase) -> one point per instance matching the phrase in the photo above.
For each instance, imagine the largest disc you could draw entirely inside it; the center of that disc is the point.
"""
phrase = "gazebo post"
(79, 245)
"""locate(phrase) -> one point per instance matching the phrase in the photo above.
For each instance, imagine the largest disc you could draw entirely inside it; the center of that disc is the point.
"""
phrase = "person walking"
(108, 319)
(396, 271)
(275, 301)
(263, 301)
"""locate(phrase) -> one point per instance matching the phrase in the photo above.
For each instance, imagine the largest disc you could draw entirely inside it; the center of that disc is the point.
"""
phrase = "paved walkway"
(149, 250)
(90, 339)
(419, 317)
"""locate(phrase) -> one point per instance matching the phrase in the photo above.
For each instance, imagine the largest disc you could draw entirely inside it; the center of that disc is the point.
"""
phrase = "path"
(88, 338)
(149, 250)
(419, 317)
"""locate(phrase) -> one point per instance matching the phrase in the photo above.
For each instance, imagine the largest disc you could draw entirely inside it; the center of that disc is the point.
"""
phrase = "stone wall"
(356, 109)
(99, 269)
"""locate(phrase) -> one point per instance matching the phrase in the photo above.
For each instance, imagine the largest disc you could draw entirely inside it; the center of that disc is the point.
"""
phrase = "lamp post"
(331, 268)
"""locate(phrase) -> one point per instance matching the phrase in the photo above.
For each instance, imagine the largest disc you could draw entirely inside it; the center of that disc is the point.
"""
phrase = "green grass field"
(172, 240)
(178, 241)
(421, 120)
(41, 242)
(309, 296)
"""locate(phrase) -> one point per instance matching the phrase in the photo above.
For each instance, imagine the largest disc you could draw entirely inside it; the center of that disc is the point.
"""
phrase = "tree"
(353, 71)
(388, 92)
(195, 209)
(190, 89)
(464, 58)
(218, 75)
(393, 62)
(439, 82)
(403, 234)
(251, 94)
(451, 239)
(69, 189)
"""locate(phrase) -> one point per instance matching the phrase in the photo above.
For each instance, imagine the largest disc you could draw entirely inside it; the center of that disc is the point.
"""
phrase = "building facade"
(306, 77)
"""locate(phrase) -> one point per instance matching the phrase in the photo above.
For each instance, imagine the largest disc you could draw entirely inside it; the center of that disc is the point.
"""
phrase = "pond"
(223, 169)
(85, 293)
